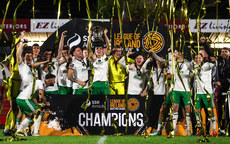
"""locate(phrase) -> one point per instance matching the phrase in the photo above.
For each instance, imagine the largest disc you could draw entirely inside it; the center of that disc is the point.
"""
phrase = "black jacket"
(223, 72)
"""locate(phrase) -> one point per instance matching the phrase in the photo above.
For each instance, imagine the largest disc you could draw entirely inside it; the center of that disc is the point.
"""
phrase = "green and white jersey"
(135, 85)
(25, 74)
(135, 81)
(158, 82)
(63, 76)
(204, 78)
(27, 92)
(54, 70)
(101, 67)
(80, 72)
(184, 69)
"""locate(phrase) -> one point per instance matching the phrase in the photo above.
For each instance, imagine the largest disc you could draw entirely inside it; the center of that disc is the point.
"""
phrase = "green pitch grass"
(116, 140)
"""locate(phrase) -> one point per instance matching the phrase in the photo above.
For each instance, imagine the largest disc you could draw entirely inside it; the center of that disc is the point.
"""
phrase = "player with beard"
(52, 67)
(78, 72)
(28, 104)
(181, 87)
(223, 82)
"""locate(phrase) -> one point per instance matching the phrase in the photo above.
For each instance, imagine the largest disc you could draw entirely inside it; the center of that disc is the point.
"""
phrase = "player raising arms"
(182, 71)
(65, 85)
(100, 84)
(78, 72)
(28, 103)
(136, 78)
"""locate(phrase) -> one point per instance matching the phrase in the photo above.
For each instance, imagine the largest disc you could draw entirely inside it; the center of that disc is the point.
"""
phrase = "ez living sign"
(210, 25)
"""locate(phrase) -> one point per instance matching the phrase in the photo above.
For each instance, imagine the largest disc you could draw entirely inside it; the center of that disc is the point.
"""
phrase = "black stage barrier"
(103, 113)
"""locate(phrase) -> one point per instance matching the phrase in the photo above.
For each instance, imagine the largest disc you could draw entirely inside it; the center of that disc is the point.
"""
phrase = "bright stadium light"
(31, 43)
(220, 45)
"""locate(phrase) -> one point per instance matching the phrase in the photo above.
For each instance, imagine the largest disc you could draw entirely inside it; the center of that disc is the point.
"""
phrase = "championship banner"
(136, 35)
(108, 115)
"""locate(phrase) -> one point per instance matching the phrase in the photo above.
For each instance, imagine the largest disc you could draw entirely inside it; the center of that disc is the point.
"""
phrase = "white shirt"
(135, 81)
(204, 78)
(101, 67)
(80, 72)
(184, 70)
(27, 92)
(25, 74)
(158, 86)
(63, 76)
(135, 85)
(54, 71)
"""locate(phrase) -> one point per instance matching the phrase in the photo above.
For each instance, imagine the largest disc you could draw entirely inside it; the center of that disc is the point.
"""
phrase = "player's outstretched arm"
(61, 44)
(107, 42)
(156, 57)
(19, 52)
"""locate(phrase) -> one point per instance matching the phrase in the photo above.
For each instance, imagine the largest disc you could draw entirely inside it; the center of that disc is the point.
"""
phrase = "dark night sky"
(46, 9)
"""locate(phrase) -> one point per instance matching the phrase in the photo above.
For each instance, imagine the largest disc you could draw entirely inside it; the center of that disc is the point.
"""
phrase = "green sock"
(212, 115)
(159, 122)
(30, 118)
(42, 113)
(18, 120)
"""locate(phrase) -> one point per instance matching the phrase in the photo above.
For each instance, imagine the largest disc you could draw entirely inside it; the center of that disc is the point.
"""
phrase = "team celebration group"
(177, 83)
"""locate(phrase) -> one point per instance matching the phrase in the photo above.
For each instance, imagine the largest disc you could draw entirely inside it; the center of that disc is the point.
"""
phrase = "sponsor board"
(210, 25)
(131, 39)
(21, 25)
(135, 35)
(179, 25)
(46, 25)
